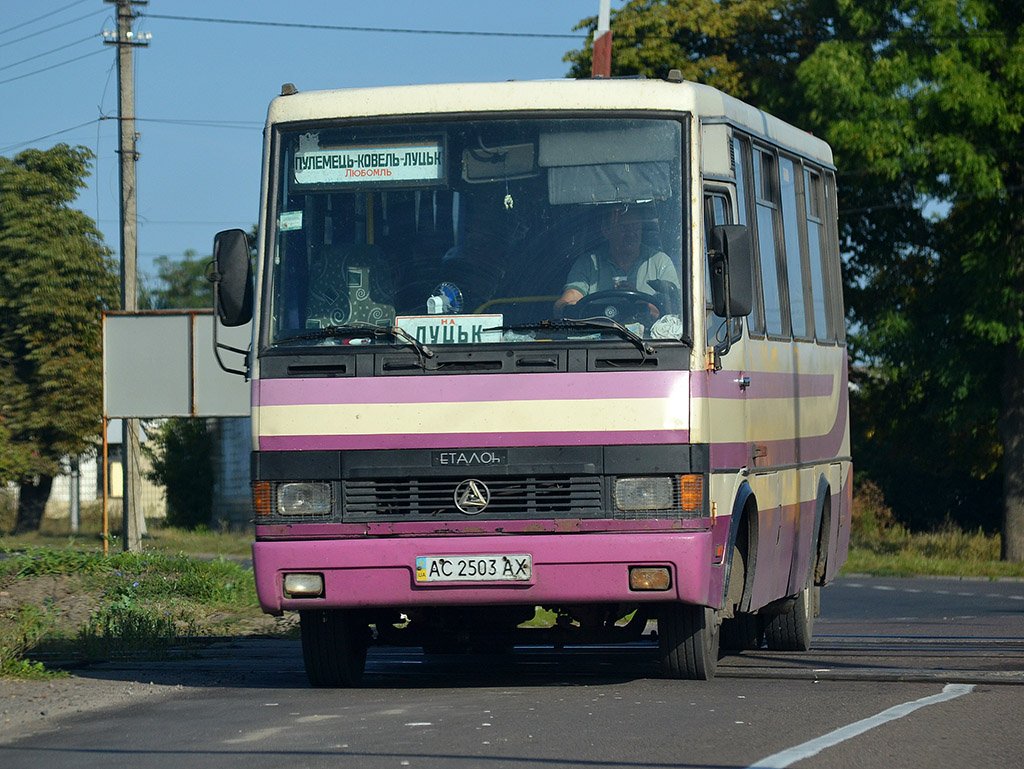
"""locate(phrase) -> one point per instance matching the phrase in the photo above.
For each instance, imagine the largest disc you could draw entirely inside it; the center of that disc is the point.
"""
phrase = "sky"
(202, 87)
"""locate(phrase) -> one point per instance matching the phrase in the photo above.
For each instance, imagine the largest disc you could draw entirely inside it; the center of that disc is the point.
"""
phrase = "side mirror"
(232, 278)
(732, 274)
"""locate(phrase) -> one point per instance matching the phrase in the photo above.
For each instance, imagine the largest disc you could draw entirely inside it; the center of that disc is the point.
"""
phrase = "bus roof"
(546, 95)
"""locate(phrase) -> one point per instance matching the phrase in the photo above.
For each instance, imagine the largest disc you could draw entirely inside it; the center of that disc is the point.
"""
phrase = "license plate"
(474, 568)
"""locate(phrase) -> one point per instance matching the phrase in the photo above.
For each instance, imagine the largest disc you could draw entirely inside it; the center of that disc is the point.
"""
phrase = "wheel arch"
(822, 529)
(742, 530)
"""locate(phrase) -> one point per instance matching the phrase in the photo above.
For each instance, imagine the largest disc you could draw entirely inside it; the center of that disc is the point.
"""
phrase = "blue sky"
(202, 88)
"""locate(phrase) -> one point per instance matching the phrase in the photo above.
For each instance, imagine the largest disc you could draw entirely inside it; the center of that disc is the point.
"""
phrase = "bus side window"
(788, 170)
(816, 240)
(766, 193)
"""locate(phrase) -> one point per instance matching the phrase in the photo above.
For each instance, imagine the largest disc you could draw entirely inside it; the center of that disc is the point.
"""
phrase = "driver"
(624, 262)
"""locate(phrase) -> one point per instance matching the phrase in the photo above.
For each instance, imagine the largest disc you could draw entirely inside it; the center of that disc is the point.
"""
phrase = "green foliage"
(165, 579)
(149, 603)
(748, 48)
(181, 451)
(923, 104)
(57, 278)
(161, 538)
(181, 284)
(35, 561)
(881, 546)
(20, 629)
(124, 625)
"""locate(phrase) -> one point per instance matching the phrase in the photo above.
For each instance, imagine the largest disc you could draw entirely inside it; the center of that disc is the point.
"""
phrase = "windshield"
(475, 232)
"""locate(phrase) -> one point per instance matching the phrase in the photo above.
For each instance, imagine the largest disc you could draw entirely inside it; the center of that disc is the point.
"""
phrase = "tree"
(928, 95)
(181, 283)
(747, 48)
(922, 102)
(56, 281)
(181, 450)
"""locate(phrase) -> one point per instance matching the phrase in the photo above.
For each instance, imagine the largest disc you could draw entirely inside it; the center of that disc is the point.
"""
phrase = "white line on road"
(815, 746)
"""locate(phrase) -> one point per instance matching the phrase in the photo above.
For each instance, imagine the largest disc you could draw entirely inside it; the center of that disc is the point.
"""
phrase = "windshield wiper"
(597, 322)
(361, 330)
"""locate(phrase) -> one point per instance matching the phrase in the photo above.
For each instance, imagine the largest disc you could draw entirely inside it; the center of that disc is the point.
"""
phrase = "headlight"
(645, 493)
(304, 499)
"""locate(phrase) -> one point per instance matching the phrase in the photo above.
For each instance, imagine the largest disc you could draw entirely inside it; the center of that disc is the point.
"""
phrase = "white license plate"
(474, 568)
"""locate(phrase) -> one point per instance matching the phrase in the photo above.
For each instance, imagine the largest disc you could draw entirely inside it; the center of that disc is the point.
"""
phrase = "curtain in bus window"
(765, 189)
(791, 231)
(815, 239)
(741, 182)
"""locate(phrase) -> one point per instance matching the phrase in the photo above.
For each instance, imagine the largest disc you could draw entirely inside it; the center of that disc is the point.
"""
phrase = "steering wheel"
(620, 304)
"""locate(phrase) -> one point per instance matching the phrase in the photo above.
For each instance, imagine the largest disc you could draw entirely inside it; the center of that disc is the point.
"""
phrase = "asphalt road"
(904, 673)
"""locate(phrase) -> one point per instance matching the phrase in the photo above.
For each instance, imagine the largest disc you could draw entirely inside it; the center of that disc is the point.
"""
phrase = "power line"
(235, 124)
(390, 30)
(10, 147)
(242, 124)
(908, 33)
(50, 29)
(41, 55)
(52, 66)
(40, 18)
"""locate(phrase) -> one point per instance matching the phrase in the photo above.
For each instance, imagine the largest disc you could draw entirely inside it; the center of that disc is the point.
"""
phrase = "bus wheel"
(688, 641)
(742, 632)
(791, 632)
(333, 647)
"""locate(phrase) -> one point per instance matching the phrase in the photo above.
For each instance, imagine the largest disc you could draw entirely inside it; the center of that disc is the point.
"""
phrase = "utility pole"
(134, 523)
(601, 59)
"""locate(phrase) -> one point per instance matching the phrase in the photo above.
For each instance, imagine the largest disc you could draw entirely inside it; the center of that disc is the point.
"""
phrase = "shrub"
(181, 451)
(870, 518)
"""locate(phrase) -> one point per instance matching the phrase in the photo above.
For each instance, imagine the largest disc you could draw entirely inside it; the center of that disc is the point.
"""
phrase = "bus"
(573, 347)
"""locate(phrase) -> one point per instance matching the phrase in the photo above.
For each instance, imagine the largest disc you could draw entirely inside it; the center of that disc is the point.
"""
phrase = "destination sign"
(452, 329)
(390, 163)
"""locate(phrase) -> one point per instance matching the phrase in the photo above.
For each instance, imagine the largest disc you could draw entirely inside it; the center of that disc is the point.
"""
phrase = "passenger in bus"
(624, 262)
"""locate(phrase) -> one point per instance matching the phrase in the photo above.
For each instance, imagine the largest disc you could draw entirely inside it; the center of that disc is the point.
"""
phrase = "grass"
(881, 546)
(204, 541)
(126, 603)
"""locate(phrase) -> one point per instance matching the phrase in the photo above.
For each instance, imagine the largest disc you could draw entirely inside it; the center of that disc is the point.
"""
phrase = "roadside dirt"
(33, 706)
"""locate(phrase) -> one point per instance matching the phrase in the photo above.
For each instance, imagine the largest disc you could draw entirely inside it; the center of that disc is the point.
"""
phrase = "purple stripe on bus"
(469, 440)
(763, 384)
(472, 388)
(787, 451)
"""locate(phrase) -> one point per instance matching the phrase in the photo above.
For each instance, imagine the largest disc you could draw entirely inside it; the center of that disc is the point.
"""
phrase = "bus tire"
(792, 631)
(333, 647)
(688, 641)
(742, 631)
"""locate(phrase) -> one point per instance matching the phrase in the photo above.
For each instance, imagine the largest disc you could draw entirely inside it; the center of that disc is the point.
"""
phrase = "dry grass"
(881, 546)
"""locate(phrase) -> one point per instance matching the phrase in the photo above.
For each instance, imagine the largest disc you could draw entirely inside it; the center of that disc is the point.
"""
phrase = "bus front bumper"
(566, 569)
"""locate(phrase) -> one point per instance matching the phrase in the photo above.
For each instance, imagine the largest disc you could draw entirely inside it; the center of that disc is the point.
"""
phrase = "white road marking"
(815, 746)
(259, 735)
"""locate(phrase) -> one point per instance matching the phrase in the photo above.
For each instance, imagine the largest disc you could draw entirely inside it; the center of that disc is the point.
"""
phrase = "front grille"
(433, 498)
